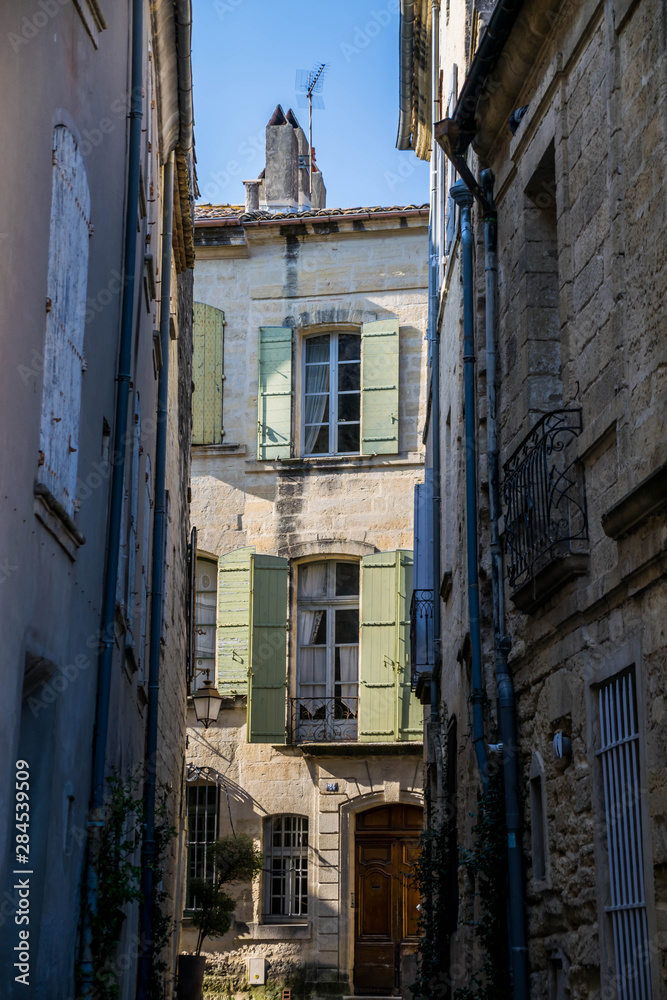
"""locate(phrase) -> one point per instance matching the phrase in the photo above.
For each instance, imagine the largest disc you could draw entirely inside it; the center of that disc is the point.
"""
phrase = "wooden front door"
(386, 932)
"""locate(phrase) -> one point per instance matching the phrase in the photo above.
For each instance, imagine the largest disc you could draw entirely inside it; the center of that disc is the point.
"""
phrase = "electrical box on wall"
(257, 971)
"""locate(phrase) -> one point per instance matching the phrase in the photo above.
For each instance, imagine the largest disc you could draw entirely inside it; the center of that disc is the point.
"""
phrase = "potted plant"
(235, 860)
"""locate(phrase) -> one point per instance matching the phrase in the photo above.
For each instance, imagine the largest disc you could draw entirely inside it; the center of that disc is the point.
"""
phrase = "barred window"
(286, 867)
(203, 811)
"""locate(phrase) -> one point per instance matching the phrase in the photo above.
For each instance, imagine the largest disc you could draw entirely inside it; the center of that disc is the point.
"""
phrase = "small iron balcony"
(421, 634)
(545, 510)
(325, 720)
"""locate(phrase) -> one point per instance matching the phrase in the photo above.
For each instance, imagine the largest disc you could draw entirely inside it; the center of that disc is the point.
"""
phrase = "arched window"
(65, 320)
(286, 870)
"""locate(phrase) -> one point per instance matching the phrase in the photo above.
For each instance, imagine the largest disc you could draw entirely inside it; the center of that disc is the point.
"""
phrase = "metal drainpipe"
(504, 685)
(157, 590)
(433, 274)
(105, 663)
(464, 200)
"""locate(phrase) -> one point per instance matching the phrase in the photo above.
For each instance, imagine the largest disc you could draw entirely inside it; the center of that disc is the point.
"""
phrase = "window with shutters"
(618, 753)
(203, 812)
(286, 869)
(206, 599)
(326, 705)
(332, 394)
(65, 321)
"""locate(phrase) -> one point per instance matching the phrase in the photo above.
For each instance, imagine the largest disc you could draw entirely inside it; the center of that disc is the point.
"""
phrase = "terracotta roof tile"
(203, 212)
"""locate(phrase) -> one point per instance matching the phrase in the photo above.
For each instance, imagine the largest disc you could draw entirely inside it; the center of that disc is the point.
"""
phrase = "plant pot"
(190, 977)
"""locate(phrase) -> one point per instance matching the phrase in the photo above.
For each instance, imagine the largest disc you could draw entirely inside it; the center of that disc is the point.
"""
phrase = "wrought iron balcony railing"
(325, 720)
(421, 633)
(545, 502)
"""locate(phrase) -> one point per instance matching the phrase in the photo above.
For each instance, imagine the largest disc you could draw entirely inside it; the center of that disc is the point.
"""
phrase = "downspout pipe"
(96, 817)
(434, 352)
(157, 591)
(405, 73)
(504, 687)
(464, 200)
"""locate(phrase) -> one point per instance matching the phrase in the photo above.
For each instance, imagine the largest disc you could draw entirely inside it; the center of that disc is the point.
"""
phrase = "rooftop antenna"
(309, 87)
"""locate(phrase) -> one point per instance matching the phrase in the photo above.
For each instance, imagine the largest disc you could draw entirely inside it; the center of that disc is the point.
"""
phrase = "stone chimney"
(283, 184)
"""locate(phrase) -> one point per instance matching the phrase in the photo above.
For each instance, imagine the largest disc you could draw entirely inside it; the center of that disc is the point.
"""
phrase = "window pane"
(316, 410)
(349, 377)
(313, 580)
(320, 444)
(317, 378)
(349, 406)
(317, 349)
(348, 438)
(347, 579)
(349, 346)
(347, 625)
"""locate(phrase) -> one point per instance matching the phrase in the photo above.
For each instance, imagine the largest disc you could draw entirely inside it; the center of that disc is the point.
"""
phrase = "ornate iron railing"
(545, 502)
(421, 633)
(325, 720)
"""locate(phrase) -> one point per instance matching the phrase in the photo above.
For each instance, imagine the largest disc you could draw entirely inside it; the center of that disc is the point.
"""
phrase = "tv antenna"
(309, 85)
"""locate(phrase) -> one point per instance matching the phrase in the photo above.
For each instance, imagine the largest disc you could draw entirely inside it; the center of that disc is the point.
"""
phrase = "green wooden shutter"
(379, 385)
(274, 395)
(207, 374)
(234, 579)
(410, 711)
(268, 650)
(386, 709)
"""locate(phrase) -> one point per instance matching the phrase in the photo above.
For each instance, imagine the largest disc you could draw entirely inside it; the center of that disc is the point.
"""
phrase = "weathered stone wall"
(596, 114)
(315, 957)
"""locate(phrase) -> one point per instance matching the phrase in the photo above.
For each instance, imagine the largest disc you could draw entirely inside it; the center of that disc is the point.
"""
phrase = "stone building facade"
(564, 104)
(71, 275)
(303, 511)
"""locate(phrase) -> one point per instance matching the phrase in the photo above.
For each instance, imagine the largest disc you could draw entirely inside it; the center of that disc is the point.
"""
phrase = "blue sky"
(245, 57)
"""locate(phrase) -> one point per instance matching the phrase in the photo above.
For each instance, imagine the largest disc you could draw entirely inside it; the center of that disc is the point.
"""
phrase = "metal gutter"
(157, 591)
(96, 818)
(455, 134)
(464, 199)
(183, 47)
(405, 73)
(505, 697)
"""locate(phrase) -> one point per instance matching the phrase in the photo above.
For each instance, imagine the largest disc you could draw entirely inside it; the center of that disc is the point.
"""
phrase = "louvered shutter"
(234, 581)
(274, 395)
(207, 374)
(386, 709)
(268, 650)
(379, 384)
(69, 233)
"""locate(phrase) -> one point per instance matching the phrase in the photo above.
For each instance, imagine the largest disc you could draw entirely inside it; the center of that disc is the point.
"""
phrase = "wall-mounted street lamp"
(207, 701)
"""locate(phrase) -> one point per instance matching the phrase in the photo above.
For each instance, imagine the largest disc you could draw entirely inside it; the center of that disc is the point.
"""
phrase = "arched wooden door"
(386, 928)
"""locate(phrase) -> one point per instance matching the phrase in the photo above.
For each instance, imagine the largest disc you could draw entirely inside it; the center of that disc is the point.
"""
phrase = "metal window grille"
(287, 866)
(203, 812)
(619, 755)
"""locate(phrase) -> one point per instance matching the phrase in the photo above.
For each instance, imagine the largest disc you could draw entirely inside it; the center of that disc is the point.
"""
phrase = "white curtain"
(313, 582)
(349, 676)
(317, 381)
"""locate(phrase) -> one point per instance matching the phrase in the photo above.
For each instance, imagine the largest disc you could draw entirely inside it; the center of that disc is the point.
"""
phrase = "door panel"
(386, 902)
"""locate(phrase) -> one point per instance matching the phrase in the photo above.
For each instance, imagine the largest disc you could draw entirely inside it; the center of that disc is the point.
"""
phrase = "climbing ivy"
(487, 863)
(119, 885)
